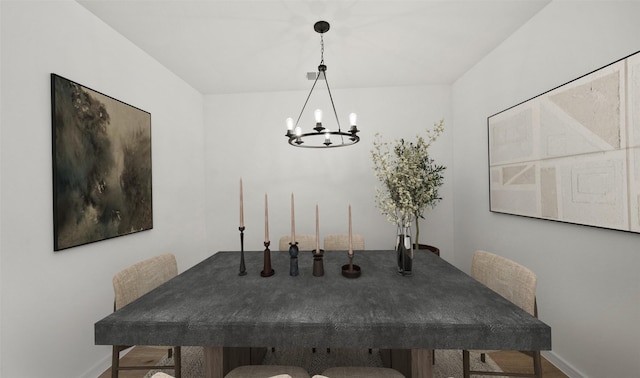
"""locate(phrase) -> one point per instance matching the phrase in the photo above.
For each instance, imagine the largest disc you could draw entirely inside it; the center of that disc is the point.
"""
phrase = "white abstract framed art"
(572, 154)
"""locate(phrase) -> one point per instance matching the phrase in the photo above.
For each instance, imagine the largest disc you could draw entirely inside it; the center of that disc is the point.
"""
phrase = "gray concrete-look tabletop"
(438, 307)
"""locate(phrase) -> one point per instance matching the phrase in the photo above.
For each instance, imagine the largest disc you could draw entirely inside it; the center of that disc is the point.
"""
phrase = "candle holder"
(293, 262)
(243, 270)
(350, 270)
(267, 271)
(318, 265)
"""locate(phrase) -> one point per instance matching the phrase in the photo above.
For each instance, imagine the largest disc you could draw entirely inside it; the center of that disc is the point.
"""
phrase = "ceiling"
(263, 45)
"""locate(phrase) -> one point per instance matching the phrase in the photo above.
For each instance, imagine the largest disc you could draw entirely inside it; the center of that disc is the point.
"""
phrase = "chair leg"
(177, 362)
(465, 364)
(433, 357)
(115, 361)
(537, 364)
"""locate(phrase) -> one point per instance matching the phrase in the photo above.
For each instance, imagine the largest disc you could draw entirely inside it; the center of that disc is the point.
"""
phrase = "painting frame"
(572, 153)
(101, 163)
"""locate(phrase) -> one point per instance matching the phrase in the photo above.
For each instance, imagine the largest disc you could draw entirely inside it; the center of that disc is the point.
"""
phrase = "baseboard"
(562, 365)
(103, 364)
(99, 368)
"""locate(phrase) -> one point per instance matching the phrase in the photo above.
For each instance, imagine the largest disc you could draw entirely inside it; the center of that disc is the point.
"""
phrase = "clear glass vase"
(404, 250)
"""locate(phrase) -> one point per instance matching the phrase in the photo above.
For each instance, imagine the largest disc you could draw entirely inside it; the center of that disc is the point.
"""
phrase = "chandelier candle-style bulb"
(327, 139)
(289, 122)
(353, 121)
(298, 133)
(318, 116)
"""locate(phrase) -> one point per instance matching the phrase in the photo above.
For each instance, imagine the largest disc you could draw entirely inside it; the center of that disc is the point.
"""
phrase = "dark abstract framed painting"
(101, 166)
(572, 154)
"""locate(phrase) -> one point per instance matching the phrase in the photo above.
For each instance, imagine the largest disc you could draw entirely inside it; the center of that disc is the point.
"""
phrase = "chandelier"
(321, 137)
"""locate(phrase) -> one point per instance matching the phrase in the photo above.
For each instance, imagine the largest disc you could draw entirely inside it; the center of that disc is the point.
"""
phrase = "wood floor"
(517, 362)
(508, 361)
(138, 356)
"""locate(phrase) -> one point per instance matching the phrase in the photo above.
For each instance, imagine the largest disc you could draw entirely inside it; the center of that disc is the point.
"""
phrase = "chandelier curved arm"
(307, 100)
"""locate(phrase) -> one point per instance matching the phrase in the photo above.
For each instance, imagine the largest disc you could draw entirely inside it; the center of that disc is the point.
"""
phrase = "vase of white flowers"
(411, 180)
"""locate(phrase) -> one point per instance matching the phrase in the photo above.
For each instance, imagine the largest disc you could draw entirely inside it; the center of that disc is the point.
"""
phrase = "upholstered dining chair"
(340, 242)
(161, 375)
(306, 242)
(359, 372)
(430, 248)
(164, 375)
(515, 283)
(131, 283)
(267, 371)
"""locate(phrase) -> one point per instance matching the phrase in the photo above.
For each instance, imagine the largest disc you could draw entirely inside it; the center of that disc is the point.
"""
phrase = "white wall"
(1, 92)
(589, 285)
(245, 138)
(50, 301)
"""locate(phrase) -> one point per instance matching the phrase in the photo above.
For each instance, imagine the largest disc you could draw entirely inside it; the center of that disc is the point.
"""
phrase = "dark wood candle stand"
(243, 270)
(350, 270)
(318, 265)
(293, 262)
(267, 271)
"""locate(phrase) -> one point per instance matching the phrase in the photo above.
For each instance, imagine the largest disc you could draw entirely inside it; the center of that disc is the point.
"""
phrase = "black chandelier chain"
(321, 49)
(323, 68)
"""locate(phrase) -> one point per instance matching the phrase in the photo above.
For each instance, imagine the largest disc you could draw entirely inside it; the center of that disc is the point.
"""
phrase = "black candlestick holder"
(318, 265)
(293, 263)
(267, 271)
(351, 270)
(243, 270)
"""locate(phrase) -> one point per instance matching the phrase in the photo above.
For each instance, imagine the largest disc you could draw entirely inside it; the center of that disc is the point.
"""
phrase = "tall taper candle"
(293, 223)
(266, 219)
(241, 206)
(317, 231)
(350, 235)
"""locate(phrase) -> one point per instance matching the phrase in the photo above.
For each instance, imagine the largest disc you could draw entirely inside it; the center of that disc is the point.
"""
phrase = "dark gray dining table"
(437, 307)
